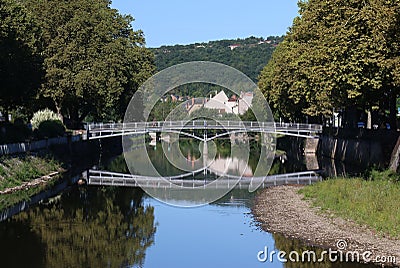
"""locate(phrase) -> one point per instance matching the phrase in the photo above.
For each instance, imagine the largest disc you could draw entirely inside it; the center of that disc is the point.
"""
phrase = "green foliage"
(248, 116)
(17, 170)
(337, 54)
(208, 114)
(162, 109)
(13, 133)
(51, 129)
(43, 115)
(385, 175)
(20, 60)
(94, 60)
(370, 202)
(249, 58)
(82, 55)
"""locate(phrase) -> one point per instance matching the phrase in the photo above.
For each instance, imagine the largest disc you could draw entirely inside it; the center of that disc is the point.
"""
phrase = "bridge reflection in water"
(225, 181)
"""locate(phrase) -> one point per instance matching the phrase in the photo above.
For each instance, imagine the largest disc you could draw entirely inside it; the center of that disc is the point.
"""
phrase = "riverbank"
(284, 210)
(24, 176)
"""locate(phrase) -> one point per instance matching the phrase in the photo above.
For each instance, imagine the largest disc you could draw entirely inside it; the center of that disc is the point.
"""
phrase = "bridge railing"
(206, 124)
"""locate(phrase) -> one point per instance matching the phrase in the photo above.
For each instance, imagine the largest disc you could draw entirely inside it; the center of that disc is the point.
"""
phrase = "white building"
(245, 101)
(219, 102)
(223, 104)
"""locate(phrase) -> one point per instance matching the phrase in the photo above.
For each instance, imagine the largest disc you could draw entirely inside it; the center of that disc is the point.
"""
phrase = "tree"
(338, 54)
(280, 82)
(20, 61)
(249, 58)
(94, 60)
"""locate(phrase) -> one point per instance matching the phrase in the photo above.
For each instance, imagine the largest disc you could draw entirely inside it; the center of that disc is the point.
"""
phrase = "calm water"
(123, 227)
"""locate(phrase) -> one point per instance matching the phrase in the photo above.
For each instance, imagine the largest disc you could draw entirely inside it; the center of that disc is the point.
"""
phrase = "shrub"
(43, 115)
(11, 133)
(50, 129)
(46, 123)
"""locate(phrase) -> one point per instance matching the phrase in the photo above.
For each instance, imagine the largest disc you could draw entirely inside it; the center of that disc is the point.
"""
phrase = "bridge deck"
(101, 130)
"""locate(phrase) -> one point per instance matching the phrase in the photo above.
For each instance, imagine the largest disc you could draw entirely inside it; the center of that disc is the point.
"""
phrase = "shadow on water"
(84, 227)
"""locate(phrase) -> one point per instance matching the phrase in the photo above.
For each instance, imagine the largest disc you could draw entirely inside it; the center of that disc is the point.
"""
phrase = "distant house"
(233, 98)
(232, 47)
(174, 98)
(234, 104)
(219, 102)
(245, 101)
(194, 104)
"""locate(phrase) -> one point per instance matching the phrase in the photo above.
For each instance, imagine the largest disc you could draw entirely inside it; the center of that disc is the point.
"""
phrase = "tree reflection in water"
(86, 227)
(288, 245)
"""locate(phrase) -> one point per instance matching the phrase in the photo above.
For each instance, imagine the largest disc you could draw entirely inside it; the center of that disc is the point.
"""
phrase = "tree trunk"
(83, 115)
(394, 159)
(369, 119)
(58, 108)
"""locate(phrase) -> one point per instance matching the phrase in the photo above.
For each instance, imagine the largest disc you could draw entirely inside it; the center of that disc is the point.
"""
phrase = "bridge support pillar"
(205, 150)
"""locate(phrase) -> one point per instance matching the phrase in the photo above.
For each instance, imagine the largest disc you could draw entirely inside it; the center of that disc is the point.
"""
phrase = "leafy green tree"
(283, 82)
(337, 54)
(163, 109)
(20, 61)
(94, 60)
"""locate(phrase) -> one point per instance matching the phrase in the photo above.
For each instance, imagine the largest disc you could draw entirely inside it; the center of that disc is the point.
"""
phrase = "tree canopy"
(248, 55)
(94, 60)
(20, 60)
(337, 54)
(82, 55)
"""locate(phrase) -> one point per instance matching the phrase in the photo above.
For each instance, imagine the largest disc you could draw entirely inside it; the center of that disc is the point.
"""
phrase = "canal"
(91, 226)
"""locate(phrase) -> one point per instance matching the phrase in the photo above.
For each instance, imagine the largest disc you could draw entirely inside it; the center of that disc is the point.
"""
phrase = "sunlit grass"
(373, 202)
(14, 171)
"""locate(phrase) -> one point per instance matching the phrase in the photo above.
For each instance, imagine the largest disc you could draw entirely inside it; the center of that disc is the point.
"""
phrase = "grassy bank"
(16, 171)
(373, 201)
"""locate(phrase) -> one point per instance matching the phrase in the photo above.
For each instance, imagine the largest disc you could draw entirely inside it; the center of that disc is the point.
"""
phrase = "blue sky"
(170, 22)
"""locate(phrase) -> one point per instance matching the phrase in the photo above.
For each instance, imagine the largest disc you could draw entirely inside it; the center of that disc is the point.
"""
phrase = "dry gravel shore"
(283, 210)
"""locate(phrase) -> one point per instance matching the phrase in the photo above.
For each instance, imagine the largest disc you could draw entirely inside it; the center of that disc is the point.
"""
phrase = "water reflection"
(89, 227)
(116, 227)
(289, 245)
(222, 158)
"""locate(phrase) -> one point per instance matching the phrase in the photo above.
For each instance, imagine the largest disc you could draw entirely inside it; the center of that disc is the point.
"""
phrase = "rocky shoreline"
(282, 210)
(30, 184)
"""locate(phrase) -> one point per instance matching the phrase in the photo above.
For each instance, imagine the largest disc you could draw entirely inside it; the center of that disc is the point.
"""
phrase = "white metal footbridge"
(105, 130)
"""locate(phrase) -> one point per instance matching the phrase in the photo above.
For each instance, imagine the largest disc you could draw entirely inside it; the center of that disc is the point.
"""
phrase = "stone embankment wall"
(367, 150)
(24, 147)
